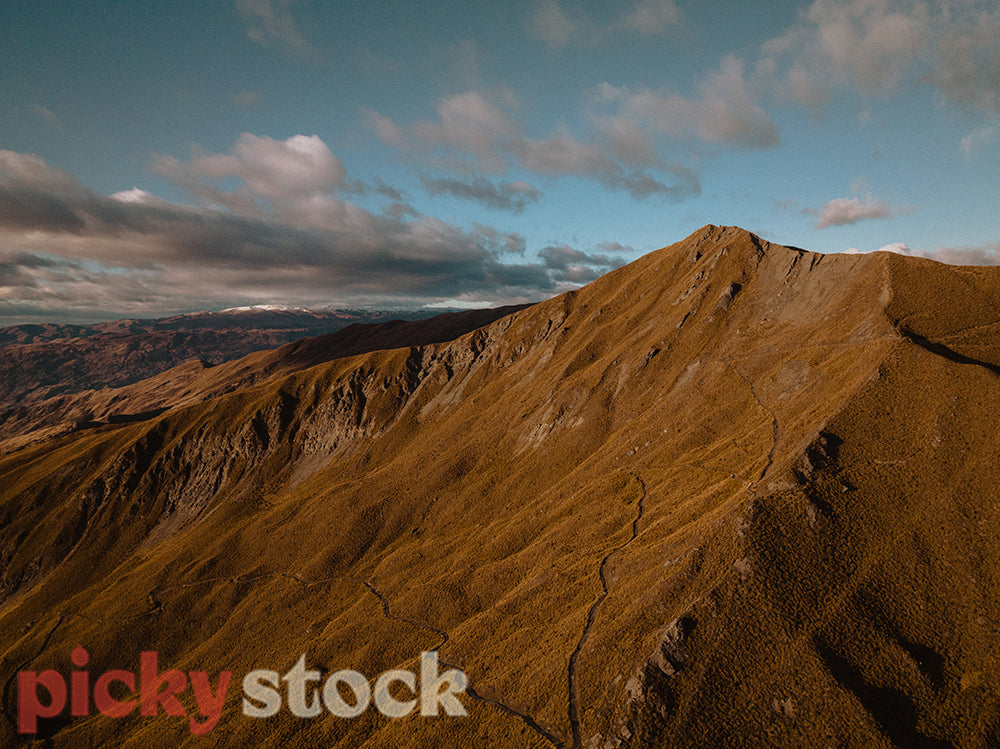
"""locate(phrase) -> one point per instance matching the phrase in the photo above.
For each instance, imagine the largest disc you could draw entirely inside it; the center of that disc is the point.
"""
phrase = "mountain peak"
(728, 237)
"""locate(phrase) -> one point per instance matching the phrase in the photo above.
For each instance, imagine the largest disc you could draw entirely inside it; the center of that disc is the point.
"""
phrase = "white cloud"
(988, 254)
(899, 248)
(554, 26)
(138, 197)
(615, 247)
(842, 211)
(278, 171)
(561, 153)
(458, 304)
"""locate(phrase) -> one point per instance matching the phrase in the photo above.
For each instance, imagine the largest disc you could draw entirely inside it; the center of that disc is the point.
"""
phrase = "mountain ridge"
(191, 382)
(48, 360)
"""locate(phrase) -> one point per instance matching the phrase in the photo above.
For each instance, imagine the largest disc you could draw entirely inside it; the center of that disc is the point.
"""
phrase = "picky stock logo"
(263, 698)
(149, 693)
(118, 693)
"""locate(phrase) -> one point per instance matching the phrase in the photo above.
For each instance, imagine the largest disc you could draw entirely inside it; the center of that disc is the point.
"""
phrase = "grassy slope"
(625, 461)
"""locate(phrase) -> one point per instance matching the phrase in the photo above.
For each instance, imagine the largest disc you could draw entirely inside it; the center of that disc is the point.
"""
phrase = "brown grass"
(814, 562)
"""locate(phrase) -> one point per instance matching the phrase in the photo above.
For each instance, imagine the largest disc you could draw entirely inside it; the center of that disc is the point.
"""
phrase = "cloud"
(841, 211)
(138, 197)
(271, 22)
(274, 170)
(967, 58)
(245, 98)
(561, 154)
(471, 124)
(615, 247)
(500, 242)
(32, 283)
(399, 210)
(555, 25)
(385, 129)
(503, 196)
(986, 254)
(476, 134)
(972, 143)
(877, 46)
(574, 266)
(650, 17)
(871, 44)
(726, 111)
(71, 250)
(46, 113)
(388, 191)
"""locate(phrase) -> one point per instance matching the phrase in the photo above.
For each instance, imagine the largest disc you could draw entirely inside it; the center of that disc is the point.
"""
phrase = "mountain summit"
(731, 494)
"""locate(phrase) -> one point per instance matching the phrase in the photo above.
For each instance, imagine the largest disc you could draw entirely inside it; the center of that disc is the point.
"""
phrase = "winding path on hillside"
(571, 674)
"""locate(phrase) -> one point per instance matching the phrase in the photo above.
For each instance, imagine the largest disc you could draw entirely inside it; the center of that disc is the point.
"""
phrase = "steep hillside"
(733, 494)
(197, 380)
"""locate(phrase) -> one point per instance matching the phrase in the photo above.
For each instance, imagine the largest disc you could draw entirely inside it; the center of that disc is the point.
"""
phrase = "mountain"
(732, 494)
(197, 380)
(46, 360)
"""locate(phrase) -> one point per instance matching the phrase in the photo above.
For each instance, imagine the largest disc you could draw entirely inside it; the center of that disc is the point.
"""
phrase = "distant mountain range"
(38, 361)
(38, 414)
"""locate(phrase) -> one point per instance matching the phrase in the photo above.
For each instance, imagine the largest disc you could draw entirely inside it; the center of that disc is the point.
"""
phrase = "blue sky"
(167, 157)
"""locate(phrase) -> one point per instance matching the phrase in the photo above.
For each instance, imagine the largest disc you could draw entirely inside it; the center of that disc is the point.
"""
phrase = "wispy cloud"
(615, 247)
(575, 266)
(725, 111)
(966, 67)
(559, 24)
(975, 141)
(503, 196)
(876, 46)
(270, 22)
(985, 254)
(245, 98)
(476, 134)
(45, 113)
(388, 191)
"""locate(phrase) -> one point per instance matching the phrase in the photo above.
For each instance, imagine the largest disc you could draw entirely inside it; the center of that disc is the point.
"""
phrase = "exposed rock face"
(733, 494)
